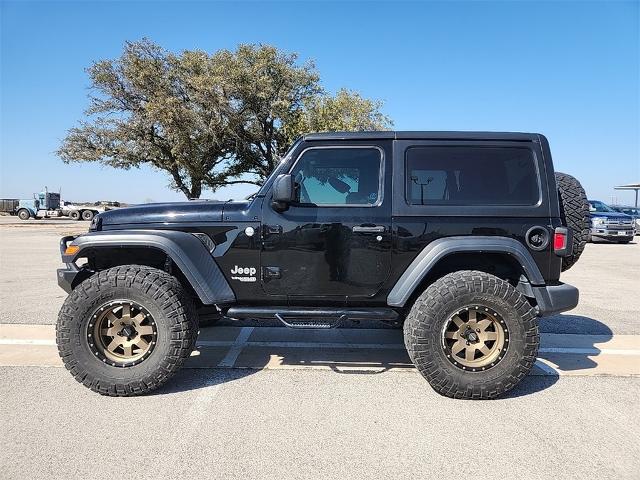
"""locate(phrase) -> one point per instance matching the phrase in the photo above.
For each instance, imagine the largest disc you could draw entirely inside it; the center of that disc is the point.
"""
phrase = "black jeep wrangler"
(459, 236)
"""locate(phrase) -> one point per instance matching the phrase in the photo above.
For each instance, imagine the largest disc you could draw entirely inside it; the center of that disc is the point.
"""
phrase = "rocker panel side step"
(296, 317)
(310, 324)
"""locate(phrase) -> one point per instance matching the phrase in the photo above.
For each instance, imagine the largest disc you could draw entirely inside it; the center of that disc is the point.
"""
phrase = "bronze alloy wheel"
(122, 333)
(475, 338)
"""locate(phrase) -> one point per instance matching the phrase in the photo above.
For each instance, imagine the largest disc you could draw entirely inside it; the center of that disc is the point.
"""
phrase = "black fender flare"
(185, 250)
(438, 249)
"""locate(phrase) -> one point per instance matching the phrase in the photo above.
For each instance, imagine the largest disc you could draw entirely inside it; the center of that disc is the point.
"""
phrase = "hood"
(610, 215)
(176, 212)
(240, 211)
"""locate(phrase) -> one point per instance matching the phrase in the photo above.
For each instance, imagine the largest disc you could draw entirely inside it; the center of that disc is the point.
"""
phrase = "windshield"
(597, 206)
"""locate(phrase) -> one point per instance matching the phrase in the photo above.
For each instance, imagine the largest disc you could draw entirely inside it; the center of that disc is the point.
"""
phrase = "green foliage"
(347, 111)
(208, 120)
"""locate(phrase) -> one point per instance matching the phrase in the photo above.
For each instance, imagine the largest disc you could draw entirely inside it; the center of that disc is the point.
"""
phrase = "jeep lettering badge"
(237, 271)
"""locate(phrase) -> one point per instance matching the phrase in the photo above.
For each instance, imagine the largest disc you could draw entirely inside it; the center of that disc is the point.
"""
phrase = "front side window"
(338, 176)
(468, 175)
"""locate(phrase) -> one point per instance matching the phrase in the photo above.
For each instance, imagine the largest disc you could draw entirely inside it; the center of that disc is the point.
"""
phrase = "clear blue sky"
(568, 69)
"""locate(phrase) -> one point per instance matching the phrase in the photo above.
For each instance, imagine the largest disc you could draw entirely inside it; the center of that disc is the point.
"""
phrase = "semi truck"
(48, 204)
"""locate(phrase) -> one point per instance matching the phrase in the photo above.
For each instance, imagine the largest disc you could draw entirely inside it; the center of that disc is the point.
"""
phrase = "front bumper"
(611, 232)
(70, 276)
(554, 299)
(66, 277)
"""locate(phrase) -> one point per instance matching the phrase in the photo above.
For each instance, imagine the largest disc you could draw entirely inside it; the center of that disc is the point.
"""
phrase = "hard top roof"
(422, 135)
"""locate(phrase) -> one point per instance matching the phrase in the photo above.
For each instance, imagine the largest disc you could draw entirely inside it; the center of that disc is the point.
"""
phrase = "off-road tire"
(433, 309)
(74, 215)
(24, 214)
(164, 298)
(574, 211)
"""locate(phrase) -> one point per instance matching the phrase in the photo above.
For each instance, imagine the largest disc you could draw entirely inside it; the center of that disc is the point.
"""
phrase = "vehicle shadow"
(569, 344)
(572, 343)
(573, 325)
(529, 385)
(189, 379)
(603, 241)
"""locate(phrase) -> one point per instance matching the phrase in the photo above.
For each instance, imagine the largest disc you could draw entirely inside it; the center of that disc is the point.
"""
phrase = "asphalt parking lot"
(269, 402)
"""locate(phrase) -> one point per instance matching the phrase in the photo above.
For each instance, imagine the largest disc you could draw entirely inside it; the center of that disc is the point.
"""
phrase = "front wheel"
(24, 214)
(125, 331)
(472, 335)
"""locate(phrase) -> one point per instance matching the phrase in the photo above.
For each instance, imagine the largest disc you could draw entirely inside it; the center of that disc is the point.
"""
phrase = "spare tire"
(574, 211)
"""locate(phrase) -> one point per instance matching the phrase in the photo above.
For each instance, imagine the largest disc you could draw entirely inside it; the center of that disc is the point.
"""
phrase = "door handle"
(273, 229)
(368, 229)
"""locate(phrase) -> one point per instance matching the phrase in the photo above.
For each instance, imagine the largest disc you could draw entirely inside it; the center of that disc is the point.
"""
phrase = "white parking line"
(245, 333)
(366, 346)
(236, 347)
(590, 351)
(25, 341)
(278, 348)
(546, 368)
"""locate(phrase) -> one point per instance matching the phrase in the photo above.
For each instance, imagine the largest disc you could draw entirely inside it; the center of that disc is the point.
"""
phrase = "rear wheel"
(87, 215)
(574, 210)
(472, 335)
(74, 215)
(127, 330)
(24, 214)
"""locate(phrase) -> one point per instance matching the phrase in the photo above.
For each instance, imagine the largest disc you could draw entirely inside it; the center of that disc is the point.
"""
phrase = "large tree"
(207, 120)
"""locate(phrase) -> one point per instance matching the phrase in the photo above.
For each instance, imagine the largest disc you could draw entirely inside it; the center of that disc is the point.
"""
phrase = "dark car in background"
(608, 224)
(632, 211)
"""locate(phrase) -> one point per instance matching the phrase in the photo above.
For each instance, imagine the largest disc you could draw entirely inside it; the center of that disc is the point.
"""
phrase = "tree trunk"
(196, 188)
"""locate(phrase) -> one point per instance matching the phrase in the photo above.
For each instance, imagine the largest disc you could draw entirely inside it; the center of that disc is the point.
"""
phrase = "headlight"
(597, 221)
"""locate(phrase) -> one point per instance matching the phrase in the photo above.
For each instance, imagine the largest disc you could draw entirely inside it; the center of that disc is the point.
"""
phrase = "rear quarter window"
(471, 175)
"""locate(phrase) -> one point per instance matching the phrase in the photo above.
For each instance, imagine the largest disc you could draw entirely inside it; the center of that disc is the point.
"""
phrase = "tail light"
(561, 241)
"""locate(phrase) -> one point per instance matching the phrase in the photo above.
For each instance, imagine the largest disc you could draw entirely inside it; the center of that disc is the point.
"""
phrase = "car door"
(334, 241)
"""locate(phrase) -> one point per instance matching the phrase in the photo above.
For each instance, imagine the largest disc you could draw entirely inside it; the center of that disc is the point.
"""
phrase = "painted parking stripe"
(590, 351)
(546, 368)
(347, 349)
(354, 360)
(245, 333)
(364, 346)
(26, 341)
(236, 347)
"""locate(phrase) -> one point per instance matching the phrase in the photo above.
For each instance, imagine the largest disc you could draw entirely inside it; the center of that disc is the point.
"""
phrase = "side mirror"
(283, 192)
